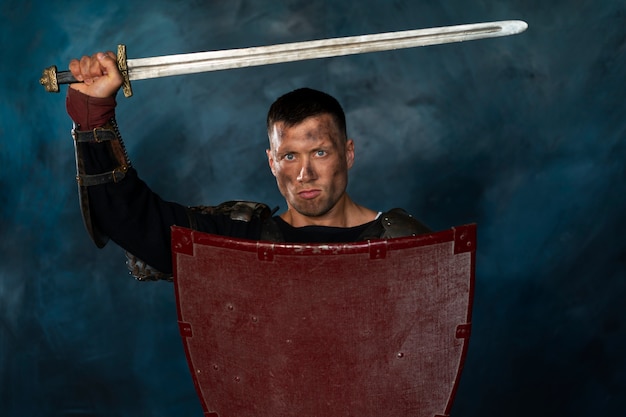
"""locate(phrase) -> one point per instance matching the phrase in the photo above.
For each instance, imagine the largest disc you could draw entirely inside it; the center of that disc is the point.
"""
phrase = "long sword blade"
(163, 66)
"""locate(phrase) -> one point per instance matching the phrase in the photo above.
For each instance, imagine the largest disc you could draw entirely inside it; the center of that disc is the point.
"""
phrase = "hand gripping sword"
(163, 66)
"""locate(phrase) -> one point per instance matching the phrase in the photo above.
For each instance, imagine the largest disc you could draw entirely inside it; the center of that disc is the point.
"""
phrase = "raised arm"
(114, 202)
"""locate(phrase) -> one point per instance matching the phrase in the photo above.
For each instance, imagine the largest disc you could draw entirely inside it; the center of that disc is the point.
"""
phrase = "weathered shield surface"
(376, 328)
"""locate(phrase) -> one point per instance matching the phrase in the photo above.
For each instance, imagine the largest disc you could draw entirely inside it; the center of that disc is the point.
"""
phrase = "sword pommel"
(49, 79)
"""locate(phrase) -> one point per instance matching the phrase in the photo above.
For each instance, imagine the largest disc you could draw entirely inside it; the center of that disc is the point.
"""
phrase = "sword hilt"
(51, 78)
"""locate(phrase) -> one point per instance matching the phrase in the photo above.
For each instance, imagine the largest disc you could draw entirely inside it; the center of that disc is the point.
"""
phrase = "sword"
(164, 66)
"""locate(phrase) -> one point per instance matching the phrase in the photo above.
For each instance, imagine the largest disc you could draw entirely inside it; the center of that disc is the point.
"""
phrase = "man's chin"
(313, 210)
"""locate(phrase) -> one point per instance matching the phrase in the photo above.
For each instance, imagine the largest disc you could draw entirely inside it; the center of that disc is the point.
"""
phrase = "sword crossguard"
(52, 78)
(121, 64)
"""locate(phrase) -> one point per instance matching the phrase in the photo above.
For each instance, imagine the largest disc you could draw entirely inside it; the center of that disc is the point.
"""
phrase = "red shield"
(376, 328)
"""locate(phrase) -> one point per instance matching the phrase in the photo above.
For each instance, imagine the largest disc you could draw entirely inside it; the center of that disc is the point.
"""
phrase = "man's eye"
(289, 157)
(320, 153)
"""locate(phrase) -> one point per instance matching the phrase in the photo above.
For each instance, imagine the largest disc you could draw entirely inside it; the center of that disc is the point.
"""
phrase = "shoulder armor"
(237, 210)
(245, 211)
(399, 223)
(394, 223)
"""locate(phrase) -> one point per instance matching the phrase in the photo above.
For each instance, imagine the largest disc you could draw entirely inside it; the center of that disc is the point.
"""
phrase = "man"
(310, 155)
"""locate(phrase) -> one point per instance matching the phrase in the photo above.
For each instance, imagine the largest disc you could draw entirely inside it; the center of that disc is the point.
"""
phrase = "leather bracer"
(112, 147)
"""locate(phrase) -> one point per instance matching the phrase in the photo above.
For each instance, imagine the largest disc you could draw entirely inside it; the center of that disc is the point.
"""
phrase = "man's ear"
(270, 160)
(350, 153)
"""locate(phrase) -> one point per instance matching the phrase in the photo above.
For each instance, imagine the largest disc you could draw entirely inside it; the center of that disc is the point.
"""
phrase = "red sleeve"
(89, 112)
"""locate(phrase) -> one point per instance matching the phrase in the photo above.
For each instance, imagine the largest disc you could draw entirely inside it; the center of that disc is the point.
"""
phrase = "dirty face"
(310, 161)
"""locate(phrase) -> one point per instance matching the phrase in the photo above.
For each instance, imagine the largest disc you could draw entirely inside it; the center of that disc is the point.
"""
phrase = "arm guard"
(114, 169)
(109, 138)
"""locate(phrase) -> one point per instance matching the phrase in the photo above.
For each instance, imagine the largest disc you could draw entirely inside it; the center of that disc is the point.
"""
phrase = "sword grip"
(51, 78)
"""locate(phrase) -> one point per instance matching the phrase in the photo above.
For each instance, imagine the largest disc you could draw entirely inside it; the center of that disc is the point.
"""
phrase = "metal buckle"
(103, 134)
(121, 171)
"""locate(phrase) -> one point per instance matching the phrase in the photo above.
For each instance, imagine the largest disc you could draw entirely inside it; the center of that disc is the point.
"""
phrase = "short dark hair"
(295, 106)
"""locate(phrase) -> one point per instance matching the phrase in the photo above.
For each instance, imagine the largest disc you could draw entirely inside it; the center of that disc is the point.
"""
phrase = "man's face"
(310, 161)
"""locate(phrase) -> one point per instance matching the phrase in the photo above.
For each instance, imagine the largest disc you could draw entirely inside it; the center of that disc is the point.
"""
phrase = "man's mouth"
(309, 194)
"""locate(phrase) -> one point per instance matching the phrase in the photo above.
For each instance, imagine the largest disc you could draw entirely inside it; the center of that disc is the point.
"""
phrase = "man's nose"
(306, 172)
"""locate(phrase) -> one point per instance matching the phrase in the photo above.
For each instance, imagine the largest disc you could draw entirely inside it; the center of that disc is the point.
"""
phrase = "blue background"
(523, 135)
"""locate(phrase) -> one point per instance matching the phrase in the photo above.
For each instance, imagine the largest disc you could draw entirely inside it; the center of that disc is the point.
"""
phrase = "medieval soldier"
(383, 333)
(387, 338)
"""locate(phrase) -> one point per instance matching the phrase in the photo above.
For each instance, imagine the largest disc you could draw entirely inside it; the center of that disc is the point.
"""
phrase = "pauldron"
(243, 211)
(394, 223)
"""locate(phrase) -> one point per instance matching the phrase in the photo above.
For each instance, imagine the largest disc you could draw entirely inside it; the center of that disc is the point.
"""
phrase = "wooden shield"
(375, 328)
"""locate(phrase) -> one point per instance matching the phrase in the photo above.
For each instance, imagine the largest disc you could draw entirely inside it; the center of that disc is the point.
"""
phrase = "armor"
(394, 223)
(368, 329)
(391, 224)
